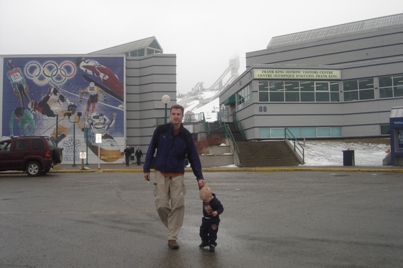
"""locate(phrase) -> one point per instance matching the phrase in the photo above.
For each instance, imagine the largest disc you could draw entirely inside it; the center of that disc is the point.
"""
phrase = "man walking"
(138, 155)
(128, 153)
(173, 143)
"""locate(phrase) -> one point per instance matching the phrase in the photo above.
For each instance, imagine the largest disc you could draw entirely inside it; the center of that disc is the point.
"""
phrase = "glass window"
(277, 132)
(37, 144)
(276, 86)
(291, 91)
(398, 80)
(322, 86)
(291, 96)
(398, 91)
(243, 97)
(308, 132)
(350, 85)
(385, 129)
(385, 81)
(386, 92)
(334, 86)
(334, 96)
(323, 132)
(263, 91)
(366, 83)
(398, 86)
(351, 96)
(291, 86)
(391, 86)
(264, 133)
(366, 94)
(263, 96)
(322, 96)
(154, 44)
(307, 96)
(263, 86)
(336, 131)
(21, 145)
(276, 96)
(307, 86)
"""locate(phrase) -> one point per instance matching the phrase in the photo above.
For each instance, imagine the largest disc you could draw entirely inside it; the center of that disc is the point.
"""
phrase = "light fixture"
(165, 100)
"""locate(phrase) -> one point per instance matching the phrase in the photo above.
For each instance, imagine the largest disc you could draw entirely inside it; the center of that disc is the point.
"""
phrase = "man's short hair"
(177, 106)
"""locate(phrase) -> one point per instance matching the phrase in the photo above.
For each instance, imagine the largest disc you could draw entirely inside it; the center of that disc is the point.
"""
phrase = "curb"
(235, 169)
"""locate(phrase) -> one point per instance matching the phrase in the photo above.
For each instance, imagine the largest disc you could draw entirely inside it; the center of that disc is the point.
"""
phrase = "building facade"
(333, 82)
(116, 93)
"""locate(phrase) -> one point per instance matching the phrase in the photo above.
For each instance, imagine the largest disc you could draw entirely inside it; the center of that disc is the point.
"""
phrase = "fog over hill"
(204, 101)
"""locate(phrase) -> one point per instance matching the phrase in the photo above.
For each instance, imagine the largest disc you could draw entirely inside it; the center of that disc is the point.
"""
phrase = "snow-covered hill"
(205, 101)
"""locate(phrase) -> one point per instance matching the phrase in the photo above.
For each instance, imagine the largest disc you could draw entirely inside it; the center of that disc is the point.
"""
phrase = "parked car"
(36, 155)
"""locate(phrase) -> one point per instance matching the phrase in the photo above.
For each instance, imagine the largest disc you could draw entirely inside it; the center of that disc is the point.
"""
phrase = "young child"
(212, 208)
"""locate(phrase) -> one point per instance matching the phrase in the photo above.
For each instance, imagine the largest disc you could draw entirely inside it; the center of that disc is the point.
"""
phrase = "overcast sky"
(204, 35)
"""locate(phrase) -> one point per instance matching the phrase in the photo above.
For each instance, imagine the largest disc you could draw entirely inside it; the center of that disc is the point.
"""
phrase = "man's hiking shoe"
(211, 248)
(173, 244)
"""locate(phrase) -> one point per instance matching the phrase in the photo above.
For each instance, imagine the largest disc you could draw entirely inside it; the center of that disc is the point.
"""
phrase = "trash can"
(348, 158)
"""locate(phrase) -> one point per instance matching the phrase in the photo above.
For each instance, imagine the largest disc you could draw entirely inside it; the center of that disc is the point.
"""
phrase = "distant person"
(138, 155)
(212, 208)
(172, 142)
(128, 153)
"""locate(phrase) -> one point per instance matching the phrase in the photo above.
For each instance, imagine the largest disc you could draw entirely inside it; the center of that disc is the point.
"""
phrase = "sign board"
(298, 74)
(83, 155)
(98, 138)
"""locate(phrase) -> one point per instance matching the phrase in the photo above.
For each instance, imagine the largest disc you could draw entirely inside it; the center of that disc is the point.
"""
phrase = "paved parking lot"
(271, 219)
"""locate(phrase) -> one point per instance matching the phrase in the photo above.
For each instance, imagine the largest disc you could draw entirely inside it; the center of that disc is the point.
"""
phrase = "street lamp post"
(74, 135)
(86, 142)
(165, 100)
(57, 111)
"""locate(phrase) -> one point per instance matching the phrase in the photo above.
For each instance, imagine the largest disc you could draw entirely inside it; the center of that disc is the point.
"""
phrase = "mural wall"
(69, 98)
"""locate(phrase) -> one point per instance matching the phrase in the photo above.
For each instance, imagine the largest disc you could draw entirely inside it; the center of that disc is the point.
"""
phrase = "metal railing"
(296, 145)
(205, 124)
(228, 134)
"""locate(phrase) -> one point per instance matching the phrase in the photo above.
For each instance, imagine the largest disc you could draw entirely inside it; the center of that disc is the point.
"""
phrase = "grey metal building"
(338, 81)
(150, 74)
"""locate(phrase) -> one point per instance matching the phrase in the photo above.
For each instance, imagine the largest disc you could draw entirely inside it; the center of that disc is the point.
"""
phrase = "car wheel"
(33, 168)
(57, 155)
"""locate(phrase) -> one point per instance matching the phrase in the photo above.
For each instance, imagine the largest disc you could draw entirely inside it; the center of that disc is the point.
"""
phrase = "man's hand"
(201, 183)
(147, 176)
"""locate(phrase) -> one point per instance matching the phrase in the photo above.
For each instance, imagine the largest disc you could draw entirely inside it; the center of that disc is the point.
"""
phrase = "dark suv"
(35, 155)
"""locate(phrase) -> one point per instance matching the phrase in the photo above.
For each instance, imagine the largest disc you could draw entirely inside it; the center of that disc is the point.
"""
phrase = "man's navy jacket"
(172, 150)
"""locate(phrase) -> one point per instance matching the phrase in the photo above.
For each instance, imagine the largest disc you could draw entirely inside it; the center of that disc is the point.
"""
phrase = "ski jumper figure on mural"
(18, 83)
(93, 97)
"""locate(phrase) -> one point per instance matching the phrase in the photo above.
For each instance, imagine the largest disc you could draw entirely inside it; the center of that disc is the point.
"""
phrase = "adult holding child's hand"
(172, 143)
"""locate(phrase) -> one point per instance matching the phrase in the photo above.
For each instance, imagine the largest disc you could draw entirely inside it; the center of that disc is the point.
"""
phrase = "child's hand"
(214, 213)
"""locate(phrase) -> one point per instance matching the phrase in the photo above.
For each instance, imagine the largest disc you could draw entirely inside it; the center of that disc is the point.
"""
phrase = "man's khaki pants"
(169, 195)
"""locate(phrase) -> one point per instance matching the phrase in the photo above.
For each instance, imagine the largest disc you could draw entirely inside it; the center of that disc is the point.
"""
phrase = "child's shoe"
(211, 248)
(203, 244)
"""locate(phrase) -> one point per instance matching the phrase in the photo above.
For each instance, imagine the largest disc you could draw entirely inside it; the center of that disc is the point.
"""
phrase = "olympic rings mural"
(42, 74)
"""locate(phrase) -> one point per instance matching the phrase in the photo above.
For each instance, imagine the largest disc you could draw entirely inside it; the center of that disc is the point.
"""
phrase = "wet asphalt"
(346, 217)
